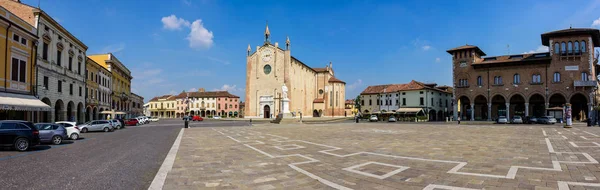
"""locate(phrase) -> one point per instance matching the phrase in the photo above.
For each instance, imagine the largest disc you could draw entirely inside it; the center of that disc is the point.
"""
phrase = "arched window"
(583, 46)
(584, 76)
(479, 81)
(570, 48)
(536, 78)
(556, 77)
(556, 48)
(517, 79)
(563, 47)
(498, 80)
(576, 47)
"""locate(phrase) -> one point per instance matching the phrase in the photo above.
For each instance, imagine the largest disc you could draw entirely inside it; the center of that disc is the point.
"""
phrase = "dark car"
(20, 135)
(51, 133)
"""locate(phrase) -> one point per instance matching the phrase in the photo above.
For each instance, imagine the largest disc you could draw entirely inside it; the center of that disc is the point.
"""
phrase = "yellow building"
(121, 82)
(163, 106)
(17, 70)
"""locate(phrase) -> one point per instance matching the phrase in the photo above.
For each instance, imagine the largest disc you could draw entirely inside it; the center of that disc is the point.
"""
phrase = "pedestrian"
(458, 119)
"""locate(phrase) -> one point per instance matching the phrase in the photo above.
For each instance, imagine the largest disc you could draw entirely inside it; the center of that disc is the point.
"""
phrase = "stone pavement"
(388, 156)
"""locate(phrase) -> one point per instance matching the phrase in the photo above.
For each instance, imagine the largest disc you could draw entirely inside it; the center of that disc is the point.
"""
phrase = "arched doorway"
(537, 105)
(59, 111)
(202, 113)
(498, 106)
(235, 114)
(88, 116)
(579, 107)
(267, 111)
(481, 108)
(213, 112)
(47, 115)
(230, 114)
(517, 105)
(440, 115)
(80, 113)
(320, 113)
(432, 115)
(464, 106)
(70, 111)
(556, 100)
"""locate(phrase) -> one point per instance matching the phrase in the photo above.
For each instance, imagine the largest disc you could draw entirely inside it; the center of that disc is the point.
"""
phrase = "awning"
(409, 110)
(21, 102)
(111, 112)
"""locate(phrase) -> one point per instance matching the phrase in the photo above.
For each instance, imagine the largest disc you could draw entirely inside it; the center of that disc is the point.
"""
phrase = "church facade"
(312, 92)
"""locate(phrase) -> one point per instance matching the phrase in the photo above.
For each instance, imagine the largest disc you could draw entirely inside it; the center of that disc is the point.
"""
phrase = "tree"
(357, 103)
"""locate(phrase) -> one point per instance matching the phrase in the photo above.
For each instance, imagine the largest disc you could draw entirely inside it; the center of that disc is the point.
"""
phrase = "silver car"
(546, 120)
(97, 125)
(517, 120)
(502, 119)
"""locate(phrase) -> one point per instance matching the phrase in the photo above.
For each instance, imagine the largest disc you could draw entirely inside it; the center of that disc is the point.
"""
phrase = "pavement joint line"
(434, 186)
(564, 185)
(591, 134)
(167, 165)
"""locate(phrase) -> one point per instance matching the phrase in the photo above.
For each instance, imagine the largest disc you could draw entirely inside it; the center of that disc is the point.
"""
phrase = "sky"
(175, 45)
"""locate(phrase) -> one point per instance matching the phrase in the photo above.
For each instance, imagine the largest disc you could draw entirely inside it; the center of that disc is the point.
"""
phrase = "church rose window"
(320, 91)
(267, 69)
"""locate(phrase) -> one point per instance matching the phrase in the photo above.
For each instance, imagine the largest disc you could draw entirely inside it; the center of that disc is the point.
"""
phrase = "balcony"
(581, 83)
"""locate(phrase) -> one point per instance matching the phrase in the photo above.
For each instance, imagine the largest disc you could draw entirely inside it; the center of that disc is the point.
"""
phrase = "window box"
(536, 83)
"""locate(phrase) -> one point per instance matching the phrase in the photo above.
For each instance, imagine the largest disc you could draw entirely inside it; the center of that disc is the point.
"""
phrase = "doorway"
(267, 111)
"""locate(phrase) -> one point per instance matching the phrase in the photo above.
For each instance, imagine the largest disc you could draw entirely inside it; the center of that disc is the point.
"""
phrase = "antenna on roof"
(39, 3)
(508, 48)
(570, 26)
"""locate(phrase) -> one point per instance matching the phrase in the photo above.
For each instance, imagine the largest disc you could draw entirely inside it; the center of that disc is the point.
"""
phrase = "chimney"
(201, 90)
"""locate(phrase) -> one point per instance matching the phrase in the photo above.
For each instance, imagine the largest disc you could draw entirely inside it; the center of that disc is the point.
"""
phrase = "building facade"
(17, 52)
(412, 98)
(528, 84)
(60, 64)
(163, 106)
(137, 102)
(311, 91)
(121, 83)
(207, 104)
(97, 90)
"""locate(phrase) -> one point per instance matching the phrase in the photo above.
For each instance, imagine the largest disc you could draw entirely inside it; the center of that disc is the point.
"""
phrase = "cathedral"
(273, 75)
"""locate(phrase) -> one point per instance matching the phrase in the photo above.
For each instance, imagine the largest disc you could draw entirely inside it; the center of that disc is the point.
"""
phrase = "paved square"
(388, 156)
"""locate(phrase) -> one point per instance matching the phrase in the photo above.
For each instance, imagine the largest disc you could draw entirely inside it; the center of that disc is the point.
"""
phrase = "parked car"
(197, 118)
(186, 118)
(373, 118)
(502, 119)
(72, 129)
(216, 117)
(392, 119)
(20, 135)
(142, 120)
(116, 123)
(51, 133)
(154, 119)
(517, 120)
(532, 120)
(546, 120)
(132, 122)
(97, 125)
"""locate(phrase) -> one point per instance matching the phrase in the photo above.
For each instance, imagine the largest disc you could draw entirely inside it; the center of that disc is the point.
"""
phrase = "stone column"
(508, 111)
(547, 105)
(472, 111)
(526, 109)
(489, 112)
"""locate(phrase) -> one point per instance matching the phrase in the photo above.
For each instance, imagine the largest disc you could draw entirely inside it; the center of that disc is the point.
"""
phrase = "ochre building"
(532, 84)
(313, 92)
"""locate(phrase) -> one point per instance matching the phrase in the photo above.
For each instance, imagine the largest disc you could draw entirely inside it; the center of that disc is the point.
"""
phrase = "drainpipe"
(6, 56)
(34, 64)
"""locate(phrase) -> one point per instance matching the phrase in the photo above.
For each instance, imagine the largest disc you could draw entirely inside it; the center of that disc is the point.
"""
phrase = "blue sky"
(176, 45)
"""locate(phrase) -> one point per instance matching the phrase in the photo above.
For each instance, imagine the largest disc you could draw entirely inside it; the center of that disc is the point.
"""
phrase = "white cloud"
(114, 48)
(187, 2)
(355, 85)
(596, 22)
(192, 90)
(426, 47)
(199, 36)
(538, 50)
(230, 88)
(437, 59)
(173, 23)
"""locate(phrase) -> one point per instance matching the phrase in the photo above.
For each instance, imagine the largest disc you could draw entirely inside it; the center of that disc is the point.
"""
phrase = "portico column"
(489, 112)
(455, 112)
(508, 111)
(526, 109)
(472, 111)
(546, 109)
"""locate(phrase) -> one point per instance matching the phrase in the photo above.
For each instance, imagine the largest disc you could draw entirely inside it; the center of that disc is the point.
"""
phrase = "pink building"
(228, 104)
(207, 104)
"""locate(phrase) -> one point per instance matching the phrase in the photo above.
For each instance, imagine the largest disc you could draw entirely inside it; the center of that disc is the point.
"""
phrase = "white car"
(142, 120)
(154, 119)
(72, 129)
(373, 118)
(216, 117)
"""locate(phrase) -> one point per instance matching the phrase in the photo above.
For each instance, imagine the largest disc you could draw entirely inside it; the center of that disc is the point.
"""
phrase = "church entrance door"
(267, 111)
